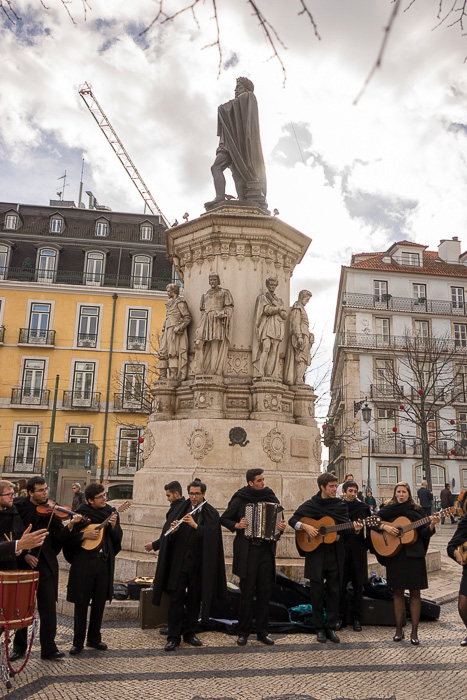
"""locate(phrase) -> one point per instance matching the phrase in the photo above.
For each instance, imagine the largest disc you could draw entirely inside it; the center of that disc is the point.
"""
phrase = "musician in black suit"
(326, 562)
(173, 492)
(190, 567)
(9, 551)
(356, 559)
(92, 570)
(253, 559)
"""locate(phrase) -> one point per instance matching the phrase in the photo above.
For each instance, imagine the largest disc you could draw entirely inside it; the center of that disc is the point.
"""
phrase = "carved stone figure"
(269, 321)
(214, 332)
(173, 350)
(239, 147)
(298, 356)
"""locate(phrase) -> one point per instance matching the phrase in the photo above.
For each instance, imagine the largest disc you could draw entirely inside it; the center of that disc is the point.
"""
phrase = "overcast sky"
(353, 178)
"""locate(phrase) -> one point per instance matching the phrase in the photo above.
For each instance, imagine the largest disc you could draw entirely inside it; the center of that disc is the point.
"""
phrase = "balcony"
(132, 403)
(372, 341)
(83, 400)
(387, 302)
(389, 446)
(123, 467)
(15, 464)
(136, 342)
(386, 391)
(2, 334)
(30, 396)
(36, 336)
(436, 393)
(336, 450)
(87, 340)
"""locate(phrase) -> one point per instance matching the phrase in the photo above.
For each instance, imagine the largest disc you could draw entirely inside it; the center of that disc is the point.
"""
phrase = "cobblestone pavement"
(364, 665)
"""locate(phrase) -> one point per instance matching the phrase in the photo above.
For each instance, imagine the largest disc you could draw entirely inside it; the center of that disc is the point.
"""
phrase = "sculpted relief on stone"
(149, 443)
(301, 339)
(214, 331)
(269, 323)
(274, 445)
(173, 350)
(200, 443)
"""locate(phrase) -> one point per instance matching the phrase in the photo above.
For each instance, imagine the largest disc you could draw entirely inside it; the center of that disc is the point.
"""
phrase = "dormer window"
(410, 259)
(102, 229)
(56, 224)
(11, 222)
(146, 232)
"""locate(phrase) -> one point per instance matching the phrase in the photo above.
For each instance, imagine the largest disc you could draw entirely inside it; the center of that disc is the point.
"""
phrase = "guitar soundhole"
(322, 531)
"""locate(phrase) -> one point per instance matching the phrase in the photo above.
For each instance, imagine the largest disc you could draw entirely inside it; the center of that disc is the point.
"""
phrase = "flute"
(181, 521)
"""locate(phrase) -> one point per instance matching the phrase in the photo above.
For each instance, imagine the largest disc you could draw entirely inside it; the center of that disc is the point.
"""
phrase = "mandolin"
(100, 527)
(462, 549)
(327, 531)
(388, 545)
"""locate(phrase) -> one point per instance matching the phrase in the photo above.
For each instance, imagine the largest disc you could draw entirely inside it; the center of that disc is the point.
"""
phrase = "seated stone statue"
(270, 316)
(173, 350)
(298, 356)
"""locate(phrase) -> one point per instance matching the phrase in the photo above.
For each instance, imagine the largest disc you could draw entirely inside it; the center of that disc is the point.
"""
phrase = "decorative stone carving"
(237, 363)
(274, 445)
(317, 449)
(272, 402)
(268, 331)
(149, 443)
(237, 436)
(214, 332)
(173, 350)
(298, 356)
(203, 399)
(200, 443)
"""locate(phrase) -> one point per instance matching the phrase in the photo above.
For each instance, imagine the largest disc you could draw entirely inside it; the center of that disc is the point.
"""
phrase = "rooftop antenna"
(63, 177)
(81, 185)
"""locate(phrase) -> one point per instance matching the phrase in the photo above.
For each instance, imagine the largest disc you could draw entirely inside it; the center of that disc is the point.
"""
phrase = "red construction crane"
(106, 127)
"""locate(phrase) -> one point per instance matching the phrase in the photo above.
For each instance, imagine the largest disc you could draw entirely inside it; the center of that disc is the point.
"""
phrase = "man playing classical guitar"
(92, 571)
(326, 562)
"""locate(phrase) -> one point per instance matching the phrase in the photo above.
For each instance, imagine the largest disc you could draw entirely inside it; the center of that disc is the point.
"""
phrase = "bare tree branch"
(306, 11)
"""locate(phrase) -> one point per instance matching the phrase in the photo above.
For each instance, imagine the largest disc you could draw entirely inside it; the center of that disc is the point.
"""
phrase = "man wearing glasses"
(92, 570)
(44, 559)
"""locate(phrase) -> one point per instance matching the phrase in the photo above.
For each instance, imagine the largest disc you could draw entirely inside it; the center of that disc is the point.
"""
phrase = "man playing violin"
(92, 570)
(44, 559)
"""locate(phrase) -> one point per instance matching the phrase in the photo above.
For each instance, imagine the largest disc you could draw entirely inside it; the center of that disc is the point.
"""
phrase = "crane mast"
(105, 126)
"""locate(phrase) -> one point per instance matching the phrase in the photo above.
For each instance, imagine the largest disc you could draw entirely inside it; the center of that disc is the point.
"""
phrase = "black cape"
(78, 557)
(356, 544)
(389, 513)
(234, 512)
(209, 555)
(168, 519)
(11, 526)
(458, 538)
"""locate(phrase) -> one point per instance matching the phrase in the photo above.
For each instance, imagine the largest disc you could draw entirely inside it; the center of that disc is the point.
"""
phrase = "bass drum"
(18, 592)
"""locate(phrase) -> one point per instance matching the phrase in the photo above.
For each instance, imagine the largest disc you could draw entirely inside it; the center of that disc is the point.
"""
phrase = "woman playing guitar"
(457, 550)
(407, 569)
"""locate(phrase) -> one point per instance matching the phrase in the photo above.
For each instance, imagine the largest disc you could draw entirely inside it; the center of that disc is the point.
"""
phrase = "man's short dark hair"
(174, 486)
(197, 483)
(325, 479)
(347, 476)
(446, 486)
(92, 490)
(253, 473)
(33, 482)
(348, 484)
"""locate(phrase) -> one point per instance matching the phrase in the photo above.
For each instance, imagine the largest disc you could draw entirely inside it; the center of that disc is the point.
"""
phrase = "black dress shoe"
(266, 639)
(321, 637)
(75, 650)
(164, 631)
(100, 646)
(54, 656)
(340, 624)
(332, 636)
(193, 640)
(170, 646)
(241, 641)
(357, 626)
(16, 655)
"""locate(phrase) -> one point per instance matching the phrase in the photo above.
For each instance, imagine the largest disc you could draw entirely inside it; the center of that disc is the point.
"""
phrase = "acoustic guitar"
(100, 527)
(327, 531)
(388, 545)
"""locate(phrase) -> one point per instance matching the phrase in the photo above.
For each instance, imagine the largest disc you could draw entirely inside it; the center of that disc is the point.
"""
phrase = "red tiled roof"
(432, 265)
(418, 245)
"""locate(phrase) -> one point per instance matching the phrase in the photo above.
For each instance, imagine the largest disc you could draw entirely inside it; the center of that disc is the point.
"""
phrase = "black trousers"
(96, 589)
(185, 602)
(330, 575)
(260, 573)
(47, 607)
(351, 574)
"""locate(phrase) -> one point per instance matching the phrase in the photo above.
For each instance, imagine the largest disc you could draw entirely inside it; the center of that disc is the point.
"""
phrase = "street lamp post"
(366, 415)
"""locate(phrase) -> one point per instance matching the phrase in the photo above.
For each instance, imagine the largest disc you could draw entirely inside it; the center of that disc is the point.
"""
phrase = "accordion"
(263, 519)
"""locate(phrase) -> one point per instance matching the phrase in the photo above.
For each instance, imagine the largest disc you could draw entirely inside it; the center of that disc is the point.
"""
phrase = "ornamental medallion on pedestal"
(274, 445)
(200, 443)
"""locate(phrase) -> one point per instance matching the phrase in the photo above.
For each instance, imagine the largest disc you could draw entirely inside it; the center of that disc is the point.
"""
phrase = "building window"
(384, 374)
(4, 252)
(419, 291)
(88, 326)
(460, 383)
(83, 381)
(11, 222)
(94, 269)
(133, 383)
(464, 478)
(141, 273)
(137, 329)
(26, 446)
(421, 329)
(102, 229)
(33, 381)
(146, 233)
(46, 265)
(380, 288)
(388, 476)
(438, 475)
(39, 321)
(78, 435)
(462, 426)
(457, 297)
(460, 335)
(382, 329)
(410, 259)
(56, 225)
(128, 450)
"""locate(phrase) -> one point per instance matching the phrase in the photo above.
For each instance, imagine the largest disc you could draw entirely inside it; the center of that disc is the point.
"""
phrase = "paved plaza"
(366, 665)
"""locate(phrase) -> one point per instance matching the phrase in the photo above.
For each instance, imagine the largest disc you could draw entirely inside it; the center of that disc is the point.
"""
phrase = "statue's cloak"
(238, 129)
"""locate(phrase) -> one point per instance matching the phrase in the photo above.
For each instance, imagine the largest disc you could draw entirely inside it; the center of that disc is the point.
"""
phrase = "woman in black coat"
(459, 538)
(407, 570)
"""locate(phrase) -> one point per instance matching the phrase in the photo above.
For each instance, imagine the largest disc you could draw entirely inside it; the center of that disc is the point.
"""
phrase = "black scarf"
(318, 507)
(394, 510)
(358, 510)
(10, 522)
(251, 495)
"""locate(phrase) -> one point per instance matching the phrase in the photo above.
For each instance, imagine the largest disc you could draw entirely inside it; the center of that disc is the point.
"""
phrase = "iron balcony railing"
(2, 334)
(89, 400)
(87, 340)
(132, 402)
(418, 306)
(16, 464)
(399, 342)
(123, 467)
(91, 279)
(386, 391)
(136, 342)
(30, 396)
(388, 446)
(36, 336)
(336, 449)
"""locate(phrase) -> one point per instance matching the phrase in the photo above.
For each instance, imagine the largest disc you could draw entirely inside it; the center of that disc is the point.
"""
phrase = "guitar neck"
(424, 521)
(340, 526)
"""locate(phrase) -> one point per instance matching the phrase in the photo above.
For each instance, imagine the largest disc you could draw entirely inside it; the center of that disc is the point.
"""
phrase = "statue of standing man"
(214, 332)
(298, 356)
(240, 147)
(173, 350)
(270, 316)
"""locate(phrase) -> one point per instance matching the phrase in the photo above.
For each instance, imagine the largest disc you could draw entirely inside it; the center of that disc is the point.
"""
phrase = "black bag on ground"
(120, 591)
(288, 592)
(377, 587)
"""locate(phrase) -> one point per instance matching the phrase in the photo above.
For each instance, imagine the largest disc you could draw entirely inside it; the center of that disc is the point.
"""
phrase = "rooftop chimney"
(449, 250)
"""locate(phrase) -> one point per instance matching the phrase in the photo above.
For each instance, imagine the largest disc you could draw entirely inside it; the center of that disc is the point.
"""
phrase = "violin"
(51, 507)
